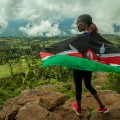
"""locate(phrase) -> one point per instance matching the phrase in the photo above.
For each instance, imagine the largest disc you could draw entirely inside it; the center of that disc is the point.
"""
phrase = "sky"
(44, 16)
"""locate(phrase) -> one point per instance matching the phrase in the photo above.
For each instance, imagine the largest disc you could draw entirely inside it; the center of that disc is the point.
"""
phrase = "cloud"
(73, 31)
(38, 12)
(3, 24)
(44, 28)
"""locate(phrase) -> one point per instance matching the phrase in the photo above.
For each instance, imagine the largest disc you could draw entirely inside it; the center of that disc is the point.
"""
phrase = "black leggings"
(78, 75)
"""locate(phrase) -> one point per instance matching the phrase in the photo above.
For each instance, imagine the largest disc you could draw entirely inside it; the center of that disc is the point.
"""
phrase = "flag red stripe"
(114, 60)
(75, 54)
(45, 54)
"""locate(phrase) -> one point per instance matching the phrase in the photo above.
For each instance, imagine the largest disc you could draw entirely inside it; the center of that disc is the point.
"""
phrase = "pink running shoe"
(103, 110)
(75, 107)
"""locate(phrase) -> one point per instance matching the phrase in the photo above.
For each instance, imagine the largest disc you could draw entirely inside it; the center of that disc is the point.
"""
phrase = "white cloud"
(3, 23)
(64, 33)
(73, 31)
(104, 13)
(45, 27)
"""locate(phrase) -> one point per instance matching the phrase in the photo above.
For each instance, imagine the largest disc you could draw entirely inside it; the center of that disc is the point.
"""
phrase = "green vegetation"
(114, 81)
(4, 71)
(115, 39)
(20, 68)
(20, 65)
(67, 89)
(91, 112)
(12, 86)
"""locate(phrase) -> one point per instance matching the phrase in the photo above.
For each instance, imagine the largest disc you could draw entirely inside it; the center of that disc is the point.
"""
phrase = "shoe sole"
(104, 112)
(77, 112)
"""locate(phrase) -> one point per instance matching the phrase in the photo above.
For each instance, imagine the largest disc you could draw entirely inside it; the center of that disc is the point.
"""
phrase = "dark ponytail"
(92, 29)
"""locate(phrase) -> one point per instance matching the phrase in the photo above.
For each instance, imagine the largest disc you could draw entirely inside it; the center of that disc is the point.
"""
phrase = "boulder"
(49, 100)
(32, 111)
(49, 105)
(1, 107)
(113, 114)
(89, 106)
(66, 111)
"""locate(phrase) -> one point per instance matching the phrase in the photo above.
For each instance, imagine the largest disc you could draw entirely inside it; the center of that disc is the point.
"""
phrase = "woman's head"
(84, 23)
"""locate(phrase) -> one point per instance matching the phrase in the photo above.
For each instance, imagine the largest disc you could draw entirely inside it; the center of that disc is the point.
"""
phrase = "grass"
(4, 71)
(20, 67)
(17, 67)
(66, 89)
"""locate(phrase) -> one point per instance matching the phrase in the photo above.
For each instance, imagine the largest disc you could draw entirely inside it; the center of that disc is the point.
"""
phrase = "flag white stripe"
(114, 65)
(46, 57)
(109, 55)
(67, 52)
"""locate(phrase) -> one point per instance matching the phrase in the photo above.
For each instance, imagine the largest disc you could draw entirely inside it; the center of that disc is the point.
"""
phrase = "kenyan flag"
(83, 52)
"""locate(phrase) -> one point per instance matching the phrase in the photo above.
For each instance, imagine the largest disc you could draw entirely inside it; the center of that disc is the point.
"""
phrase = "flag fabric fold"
(83, 52)
(79, 63)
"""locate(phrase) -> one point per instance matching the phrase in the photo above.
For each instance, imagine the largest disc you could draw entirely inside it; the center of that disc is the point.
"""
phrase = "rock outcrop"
(49, 105)
(114, 113)
(32, 105)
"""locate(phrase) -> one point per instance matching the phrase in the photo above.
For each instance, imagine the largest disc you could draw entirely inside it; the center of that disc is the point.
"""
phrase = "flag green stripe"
(79, 63)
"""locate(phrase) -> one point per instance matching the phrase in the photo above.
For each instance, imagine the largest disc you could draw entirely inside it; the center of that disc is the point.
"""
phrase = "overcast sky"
(44, 15)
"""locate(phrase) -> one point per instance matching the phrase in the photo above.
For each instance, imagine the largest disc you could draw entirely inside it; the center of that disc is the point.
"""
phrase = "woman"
(84, 23)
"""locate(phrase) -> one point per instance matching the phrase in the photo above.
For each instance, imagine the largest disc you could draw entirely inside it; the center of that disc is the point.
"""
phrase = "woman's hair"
(92, 28)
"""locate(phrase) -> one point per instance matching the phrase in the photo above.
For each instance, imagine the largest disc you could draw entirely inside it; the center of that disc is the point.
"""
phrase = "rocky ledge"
(49, 105)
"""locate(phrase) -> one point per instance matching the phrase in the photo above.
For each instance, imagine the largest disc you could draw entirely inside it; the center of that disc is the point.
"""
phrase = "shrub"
(67, 89)
(114, 79)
